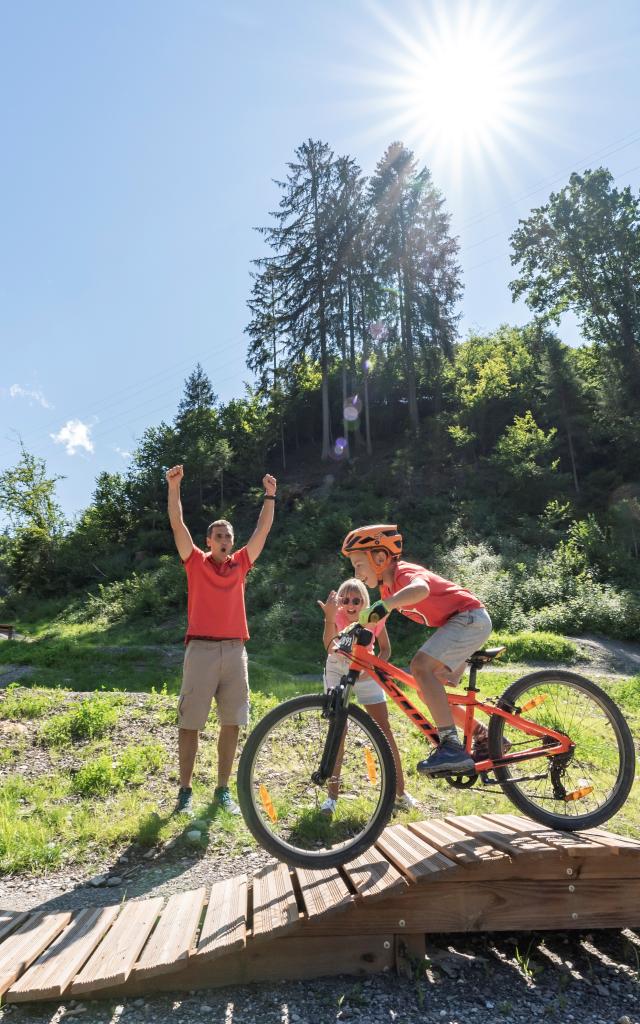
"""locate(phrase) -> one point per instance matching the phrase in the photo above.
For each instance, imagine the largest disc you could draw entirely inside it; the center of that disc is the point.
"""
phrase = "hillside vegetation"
(510, 461)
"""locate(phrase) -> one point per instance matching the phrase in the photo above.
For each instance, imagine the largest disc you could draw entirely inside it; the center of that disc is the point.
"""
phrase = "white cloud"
(125, 455)
(74, 435)
(17, 391)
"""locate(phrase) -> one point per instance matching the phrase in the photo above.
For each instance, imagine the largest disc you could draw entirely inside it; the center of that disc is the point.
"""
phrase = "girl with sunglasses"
(342, 609)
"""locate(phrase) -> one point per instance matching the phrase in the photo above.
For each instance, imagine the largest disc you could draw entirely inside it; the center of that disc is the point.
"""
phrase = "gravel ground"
(515, 979)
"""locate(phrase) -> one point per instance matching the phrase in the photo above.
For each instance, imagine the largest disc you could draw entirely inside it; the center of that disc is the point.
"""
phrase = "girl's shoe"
(328, 808)
(407, 802)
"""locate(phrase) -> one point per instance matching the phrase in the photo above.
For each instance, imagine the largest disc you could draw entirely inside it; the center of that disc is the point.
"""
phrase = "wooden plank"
(322, 891)
(225, 925)
(499, 836)
(113, 960)
(614, 843)
(410, 950)
(454, 843)
(449, 903)
(58, 965)
(274, 960)
(23, 946)
(373, 876)
(571, 843)
(413, 857)
(275, 907)
(10, 920)
(173, 937)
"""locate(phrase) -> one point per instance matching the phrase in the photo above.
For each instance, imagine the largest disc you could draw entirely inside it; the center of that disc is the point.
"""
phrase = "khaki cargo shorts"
(457, 640)
(214, 669)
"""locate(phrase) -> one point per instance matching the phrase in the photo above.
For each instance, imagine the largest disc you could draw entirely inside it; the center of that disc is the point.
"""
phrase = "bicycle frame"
(463, 707)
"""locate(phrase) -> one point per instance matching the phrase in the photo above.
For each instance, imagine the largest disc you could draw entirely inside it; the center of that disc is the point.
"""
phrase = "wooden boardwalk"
(475, 873)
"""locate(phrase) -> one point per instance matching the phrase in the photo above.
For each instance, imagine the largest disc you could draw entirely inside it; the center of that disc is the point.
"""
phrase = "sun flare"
(459, 83)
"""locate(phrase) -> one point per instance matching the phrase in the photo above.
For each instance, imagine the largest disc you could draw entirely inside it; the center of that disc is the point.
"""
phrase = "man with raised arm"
(215, 660)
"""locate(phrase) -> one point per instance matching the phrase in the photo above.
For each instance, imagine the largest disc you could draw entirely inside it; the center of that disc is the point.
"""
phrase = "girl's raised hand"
(330, 606)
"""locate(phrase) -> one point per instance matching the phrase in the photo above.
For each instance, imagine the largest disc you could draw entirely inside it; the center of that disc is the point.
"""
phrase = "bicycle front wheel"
(578, 790)
(280, 802)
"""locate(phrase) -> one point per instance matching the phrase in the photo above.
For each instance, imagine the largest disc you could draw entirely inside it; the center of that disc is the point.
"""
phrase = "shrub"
(101, 776)
(484, 572)
(97, 778)
(30, 704)
(136, 763)
(88, 720)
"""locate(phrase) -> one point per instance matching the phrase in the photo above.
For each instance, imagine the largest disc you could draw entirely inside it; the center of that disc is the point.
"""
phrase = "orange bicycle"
(557, 746)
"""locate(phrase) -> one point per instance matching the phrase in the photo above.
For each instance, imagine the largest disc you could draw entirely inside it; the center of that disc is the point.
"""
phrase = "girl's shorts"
(367, 691)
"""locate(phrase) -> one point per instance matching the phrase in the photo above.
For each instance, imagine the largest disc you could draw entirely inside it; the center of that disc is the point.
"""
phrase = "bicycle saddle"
(485, 655)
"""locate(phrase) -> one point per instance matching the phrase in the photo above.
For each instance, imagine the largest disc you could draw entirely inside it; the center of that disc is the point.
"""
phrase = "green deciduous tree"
(581, 251)
(36, 523)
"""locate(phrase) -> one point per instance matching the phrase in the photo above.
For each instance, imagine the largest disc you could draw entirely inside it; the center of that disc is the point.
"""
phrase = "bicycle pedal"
(450, 775)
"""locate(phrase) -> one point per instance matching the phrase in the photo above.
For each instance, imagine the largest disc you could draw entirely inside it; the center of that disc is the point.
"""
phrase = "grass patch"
(96, 796)
(531, 646)
(88, 720)
(102, 776)
(18, 705)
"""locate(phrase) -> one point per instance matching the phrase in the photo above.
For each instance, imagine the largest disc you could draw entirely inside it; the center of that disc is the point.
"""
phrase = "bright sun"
(460, 85)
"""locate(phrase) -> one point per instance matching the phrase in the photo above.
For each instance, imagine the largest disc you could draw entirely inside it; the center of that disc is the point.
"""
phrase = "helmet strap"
(377, 568)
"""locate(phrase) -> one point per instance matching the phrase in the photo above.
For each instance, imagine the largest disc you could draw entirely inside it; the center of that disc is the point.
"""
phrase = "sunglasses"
(351, 600)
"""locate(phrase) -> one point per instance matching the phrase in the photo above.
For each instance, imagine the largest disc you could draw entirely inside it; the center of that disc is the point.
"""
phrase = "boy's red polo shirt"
(444, 600)
(215, 596)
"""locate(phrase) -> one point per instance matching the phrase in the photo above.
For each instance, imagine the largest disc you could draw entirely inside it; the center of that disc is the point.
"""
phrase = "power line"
(492, 259)
(134, 389)
(632, 138)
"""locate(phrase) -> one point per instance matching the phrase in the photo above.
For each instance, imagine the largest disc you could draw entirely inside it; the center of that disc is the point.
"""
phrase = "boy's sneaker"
(449, 757)
(222, 797)
(328, 808)
(184, 803)
(407, 802)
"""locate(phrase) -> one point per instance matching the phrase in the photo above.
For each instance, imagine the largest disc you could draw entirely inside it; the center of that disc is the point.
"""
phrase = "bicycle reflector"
(578, 794)
(267, 803)
(372, 771)
(533, 703)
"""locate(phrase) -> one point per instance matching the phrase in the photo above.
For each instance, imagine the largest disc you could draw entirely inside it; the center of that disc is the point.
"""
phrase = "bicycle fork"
(336, 712)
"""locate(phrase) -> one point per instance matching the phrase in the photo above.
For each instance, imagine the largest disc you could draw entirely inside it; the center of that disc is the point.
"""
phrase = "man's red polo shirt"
(215, 596)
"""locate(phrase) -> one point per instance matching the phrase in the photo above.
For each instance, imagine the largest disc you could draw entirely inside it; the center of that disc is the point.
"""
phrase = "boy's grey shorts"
(460, 636)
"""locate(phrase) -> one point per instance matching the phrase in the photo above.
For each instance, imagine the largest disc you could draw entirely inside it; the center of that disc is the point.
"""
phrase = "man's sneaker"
(449, 757)
(184, 803)
(222, 797)
(407, 802)
(328, 808)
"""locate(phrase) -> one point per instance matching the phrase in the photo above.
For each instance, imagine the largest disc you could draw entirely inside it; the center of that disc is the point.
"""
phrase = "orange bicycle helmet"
(380, 537)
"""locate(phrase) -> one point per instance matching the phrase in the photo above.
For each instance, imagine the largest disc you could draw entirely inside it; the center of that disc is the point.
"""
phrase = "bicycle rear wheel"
(281, 803)
(572, 791)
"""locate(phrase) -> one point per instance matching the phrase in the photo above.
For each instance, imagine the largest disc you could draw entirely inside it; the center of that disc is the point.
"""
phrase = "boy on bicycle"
(463, 625)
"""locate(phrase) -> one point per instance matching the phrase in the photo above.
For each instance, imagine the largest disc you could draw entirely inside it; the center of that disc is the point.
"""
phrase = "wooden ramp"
(492, 872)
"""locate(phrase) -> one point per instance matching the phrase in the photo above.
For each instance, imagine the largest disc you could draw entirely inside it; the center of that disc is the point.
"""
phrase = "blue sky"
(140, 140)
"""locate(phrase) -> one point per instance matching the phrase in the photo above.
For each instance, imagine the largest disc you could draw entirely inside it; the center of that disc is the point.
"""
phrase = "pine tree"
(303, 267)
(416, 260)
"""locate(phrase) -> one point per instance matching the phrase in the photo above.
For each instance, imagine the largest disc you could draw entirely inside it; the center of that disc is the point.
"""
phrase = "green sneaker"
(184, 804)
(222, 797)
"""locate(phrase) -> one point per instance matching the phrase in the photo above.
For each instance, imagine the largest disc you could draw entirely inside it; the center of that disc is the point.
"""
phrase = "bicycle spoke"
(291, 808)
(592, 777)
